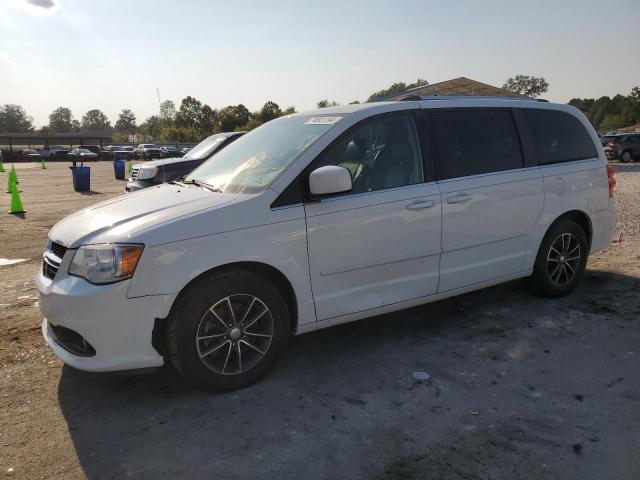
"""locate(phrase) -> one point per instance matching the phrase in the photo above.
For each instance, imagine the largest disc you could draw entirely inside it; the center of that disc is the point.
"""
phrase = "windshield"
(253, 161)
(205, 147)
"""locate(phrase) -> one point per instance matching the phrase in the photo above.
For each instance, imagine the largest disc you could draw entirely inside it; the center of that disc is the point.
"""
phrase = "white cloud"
(42, 3)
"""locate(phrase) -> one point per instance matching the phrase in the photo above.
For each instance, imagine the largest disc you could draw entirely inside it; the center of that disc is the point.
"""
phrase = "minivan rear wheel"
(227, 329)
(561, 260)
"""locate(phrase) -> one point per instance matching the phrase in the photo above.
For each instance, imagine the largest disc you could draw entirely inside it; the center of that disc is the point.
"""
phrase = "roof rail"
(468, 97)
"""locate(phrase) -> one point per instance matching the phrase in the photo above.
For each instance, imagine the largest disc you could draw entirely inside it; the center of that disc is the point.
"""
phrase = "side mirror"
(330, 179)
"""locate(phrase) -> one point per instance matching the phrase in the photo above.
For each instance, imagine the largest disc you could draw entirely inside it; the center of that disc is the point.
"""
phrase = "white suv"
(322, 218)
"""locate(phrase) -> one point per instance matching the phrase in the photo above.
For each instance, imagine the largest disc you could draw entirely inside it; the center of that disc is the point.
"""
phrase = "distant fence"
(12, 145)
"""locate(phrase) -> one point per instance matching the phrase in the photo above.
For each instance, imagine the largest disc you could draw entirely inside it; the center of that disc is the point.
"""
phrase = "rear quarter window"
(559, 137)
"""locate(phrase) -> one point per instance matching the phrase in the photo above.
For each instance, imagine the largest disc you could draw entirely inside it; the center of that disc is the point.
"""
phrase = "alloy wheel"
(563, 259)
(234, 334)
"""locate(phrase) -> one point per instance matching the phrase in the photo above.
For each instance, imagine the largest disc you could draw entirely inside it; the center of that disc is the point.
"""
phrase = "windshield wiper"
(200, 183)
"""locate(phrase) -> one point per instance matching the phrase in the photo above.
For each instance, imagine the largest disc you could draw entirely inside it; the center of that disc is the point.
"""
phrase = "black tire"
(193, 312)
(626, 156)
(546, 280)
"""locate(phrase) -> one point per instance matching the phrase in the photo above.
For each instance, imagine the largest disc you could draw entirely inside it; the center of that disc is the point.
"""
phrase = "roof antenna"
(164, 173)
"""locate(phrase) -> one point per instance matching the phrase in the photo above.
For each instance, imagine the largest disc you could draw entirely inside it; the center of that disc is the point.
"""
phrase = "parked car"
(167, 170)
(321, 218)
(605, 139)
(624, 147)
(118, 152)
(31, 154)
(93, 148)
(185, 150)
(82, 155)
(49, 151)
(169, 151)
(146, 151)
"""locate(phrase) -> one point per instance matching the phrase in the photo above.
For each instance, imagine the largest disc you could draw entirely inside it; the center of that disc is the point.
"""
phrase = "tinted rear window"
(472, 142)
(559, 137)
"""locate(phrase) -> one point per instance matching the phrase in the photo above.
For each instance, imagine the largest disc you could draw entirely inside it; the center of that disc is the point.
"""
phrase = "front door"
(378, 244)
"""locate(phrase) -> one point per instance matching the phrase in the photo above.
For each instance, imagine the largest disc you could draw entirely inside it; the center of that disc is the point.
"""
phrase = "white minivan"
(321, 218)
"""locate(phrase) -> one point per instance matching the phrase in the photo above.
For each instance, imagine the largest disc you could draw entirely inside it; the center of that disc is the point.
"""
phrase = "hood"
(166, 161)
(120, 218)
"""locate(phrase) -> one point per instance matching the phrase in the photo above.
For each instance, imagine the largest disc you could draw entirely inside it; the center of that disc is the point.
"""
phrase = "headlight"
(105, 263)
(147, 172)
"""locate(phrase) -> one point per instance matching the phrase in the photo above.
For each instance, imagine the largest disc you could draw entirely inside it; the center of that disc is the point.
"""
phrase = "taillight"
(612, 181)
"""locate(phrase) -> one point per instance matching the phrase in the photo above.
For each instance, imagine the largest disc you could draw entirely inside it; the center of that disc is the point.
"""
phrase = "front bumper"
(117, 328)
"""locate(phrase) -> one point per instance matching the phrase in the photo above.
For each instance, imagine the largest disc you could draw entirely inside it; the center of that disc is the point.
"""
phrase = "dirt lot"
(520, 388)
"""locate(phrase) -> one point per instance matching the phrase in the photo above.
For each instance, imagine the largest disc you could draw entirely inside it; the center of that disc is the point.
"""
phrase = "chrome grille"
(52, 259)
(134, 173)
(49, 267)
(58, 250)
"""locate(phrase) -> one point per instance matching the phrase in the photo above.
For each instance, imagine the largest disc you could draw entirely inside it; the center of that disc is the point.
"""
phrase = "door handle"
(462, 198)
(420, 204)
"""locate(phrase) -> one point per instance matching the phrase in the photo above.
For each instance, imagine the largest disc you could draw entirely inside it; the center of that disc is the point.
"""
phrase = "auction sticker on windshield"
(322, 120)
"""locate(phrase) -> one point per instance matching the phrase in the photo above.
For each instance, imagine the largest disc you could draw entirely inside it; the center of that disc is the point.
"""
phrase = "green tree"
(289, 110)
(269, 111)
(126, 121)
(326, 103)
(208, 121)
(197, 117)
(355, 102)
(179, 134)
(397, 88)
(232, 117)
(119, 137)
(250, 125)
(526, 85)
(188, 116)
(14, 119)
(611, 122)
(610, 113)
(61, 120)
(168, 111)
(95, 120)
(151, 127)
(44, 131)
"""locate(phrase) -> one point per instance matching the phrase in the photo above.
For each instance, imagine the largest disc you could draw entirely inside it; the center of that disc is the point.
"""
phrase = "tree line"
(193, 120)
(607, 113)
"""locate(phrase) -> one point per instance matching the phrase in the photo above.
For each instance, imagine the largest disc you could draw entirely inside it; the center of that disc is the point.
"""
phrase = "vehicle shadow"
(341, 400)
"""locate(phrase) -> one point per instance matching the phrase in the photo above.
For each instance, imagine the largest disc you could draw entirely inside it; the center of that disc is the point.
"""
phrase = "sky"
(86, 54)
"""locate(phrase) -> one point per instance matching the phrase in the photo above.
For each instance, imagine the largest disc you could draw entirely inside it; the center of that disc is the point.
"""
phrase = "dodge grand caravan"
(321, 218)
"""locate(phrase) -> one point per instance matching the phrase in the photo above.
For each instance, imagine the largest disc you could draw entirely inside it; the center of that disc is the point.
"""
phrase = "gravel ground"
(520, 387)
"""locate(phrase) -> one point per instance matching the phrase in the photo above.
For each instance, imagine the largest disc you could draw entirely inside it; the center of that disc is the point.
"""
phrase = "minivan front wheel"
(227, 329)
(561, 260)
(626, 156)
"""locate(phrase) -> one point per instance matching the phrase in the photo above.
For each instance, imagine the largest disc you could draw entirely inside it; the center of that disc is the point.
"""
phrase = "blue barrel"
(81, 178)
(118, 167)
